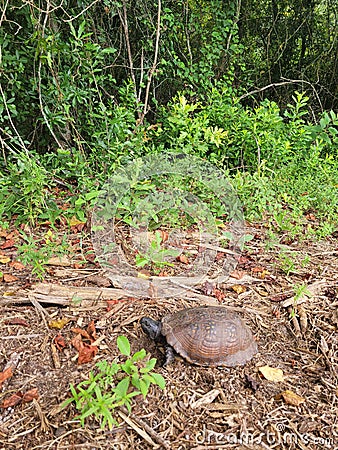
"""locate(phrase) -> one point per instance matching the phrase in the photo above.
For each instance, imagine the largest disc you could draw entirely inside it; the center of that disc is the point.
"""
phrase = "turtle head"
(151, 327)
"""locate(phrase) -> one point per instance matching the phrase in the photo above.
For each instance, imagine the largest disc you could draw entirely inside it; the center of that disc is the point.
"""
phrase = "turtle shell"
(209, 336)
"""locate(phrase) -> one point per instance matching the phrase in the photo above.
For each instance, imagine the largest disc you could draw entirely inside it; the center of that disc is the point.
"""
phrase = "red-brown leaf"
(219, 294)
(91, 331)
(13, 400)
(7, 373)
(87, 353)
(237, 274)
(82, 332)
(16, 321)
(17, 265)
(60, 342)
(77, 342)
(183, 259)
(8, 244)
(8, 278)
(30, 395)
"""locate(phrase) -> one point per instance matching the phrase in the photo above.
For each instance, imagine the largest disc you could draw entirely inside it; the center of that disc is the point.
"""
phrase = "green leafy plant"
(287, 262)
(36, 252)
(156, 254)
(114, 385)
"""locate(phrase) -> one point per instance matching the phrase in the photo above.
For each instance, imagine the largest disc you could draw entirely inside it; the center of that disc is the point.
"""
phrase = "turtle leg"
(169, 355)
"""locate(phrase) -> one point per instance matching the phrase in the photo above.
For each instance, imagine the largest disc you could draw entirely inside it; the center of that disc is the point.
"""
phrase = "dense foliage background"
(87, 86)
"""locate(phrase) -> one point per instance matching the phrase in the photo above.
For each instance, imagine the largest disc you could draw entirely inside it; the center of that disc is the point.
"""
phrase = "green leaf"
(129, 367)
(67, 402)
(122, 387)
(144, 387)
(141, 261)
(149, 366)
(123, 345)
(159, 380)
(139, 355)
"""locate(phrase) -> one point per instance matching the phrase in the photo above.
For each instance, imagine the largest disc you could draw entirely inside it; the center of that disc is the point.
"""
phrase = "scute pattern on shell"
(210, 336)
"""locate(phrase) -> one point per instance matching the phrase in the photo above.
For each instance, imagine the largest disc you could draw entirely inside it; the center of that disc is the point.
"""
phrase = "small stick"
(123, 411)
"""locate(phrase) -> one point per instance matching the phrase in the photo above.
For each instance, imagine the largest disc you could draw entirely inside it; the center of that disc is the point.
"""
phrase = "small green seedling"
(114, 385)
(155, 256)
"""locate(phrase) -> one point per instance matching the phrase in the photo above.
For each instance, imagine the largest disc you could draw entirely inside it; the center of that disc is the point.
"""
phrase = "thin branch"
(11, 121)
(39, 84)
(3, 13)
(82, 12)
(264, 88)
(187, 34)
(153, 68)
(310, 84)
(141, 77)
(124, 21)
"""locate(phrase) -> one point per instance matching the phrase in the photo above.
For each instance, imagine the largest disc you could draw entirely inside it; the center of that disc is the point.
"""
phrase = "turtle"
(204, 335)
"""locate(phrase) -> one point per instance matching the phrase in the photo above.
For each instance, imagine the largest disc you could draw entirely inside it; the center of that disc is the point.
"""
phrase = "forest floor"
(201, 407)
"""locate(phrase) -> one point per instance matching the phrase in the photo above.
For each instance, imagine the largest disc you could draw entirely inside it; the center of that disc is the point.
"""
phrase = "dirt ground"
(248, 411)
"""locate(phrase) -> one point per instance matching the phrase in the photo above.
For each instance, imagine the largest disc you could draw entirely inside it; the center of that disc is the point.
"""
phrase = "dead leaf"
(30, 395)
(19, 397)
(4, 259)
(8, 244)
(92, 331)
(9, 293)
(262, 275)
(219, 294)
(311, 216)
(8, 278)
(164, 235)
(81, 332)
(17, 265)
(271, 374)
(74, 222)
(237, 274)
(5, 375)
(291, 398)
(238, 288)
(13, 400)
(143, 274)
(163, 273)
(86, 351)
(12, 234)
(183, 259)
(16, 321)
(111, 303)
(243, 261)
(58, 324)
(60, 342)
(77, 341)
